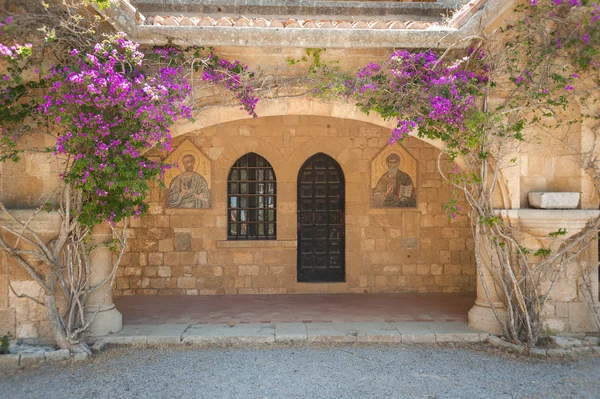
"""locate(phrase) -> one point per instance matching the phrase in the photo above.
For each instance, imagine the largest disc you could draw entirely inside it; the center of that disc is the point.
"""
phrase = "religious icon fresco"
(394, 179)
(189, 180)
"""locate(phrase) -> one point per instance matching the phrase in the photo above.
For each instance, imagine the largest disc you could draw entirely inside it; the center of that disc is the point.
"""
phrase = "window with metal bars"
(251, 199)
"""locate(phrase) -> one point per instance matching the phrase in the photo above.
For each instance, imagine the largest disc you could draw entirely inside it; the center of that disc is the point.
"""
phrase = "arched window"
(251, 199)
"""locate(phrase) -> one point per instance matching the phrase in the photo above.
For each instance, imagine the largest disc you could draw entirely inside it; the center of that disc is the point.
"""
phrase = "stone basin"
(554, 200)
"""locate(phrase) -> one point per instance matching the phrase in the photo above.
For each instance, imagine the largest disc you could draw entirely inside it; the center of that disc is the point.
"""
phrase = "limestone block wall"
(20, 315)
(186, 251)
(26, 185)
(33, 180)
(29, 317)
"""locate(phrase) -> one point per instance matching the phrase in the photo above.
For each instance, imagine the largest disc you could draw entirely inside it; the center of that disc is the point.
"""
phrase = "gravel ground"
(310, 372)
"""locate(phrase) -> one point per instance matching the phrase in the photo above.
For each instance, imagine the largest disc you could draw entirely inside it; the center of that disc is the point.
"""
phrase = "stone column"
(108, 319)
(482, 316)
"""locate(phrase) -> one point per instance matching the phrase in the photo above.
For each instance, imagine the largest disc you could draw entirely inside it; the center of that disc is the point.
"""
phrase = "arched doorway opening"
(321, 205)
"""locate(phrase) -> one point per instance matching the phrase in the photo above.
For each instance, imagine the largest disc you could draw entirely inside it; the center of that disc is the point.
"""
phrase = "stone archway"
(506, 198)
(285, 107)
(412, 250)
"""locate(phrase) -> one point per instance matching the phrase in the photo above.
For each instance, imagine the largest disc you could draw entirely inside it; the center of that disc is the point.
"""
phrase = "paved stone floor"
(298, 308)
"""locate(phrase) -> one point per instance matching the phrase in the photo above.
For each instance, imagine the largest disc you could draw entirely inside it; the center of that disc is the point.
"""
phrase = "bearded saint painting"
(395, 189)
(189, 189)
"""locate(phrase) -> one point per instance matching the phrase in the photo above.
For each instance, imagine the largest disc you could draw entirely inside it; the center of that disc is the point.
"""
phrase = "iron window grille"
(251, 199)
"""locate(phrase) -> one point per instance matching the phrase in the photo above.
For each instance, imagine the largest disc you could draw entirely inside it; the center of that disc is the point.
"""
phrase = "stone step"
(206, 334)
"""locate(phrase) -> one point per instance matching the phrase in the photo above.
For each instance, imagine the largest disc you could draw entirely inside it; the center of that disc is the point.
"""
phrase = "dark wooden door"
(321, 220)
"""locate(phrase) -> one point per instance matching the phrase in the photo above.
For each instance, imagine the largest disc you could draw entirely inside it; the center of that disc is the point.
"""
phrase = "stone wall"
(185, 251)
(19, 314)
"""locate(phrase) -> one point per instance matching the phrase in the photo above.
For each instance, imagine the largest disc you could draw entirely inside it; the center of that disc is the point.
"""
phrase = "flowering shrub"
(111, 111)
(437, 98)
(106, 104)
(109, 105)
(221, 72)
(561, 39)
(422, 92)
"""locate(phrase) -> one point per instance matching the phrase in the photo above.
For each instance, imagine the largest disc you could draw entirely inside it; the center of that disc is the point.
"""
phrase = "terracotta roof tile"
(325, 24)
(377, 25)
(396, 25)
(309, 24)
(171, 21)
(185, 21)
(289, 23)
(343, 25)
(206, 21)
(260, 23)
(225, 21)
(157, 20)
(243, 22)
(275, 23)
(360, 25)
(417, 25)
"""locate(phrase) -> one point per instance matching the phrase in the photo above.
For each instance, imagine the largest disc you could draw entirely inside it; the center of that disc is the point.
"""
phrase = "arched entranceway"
(408, 253)
(321, 196)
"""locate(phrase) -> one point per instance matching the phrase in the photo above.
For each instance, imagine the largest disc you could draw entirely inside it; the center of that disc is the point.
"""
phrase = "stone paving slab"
(377, 334)
(167, 334)
(330, 332)
(414, 333)
(9, 361)
(136, 334)
(351, 332)
(456, 332)
(61, 354)
(290, 332)
(372, 332)
(29, 359)
(392, 332)
(229, 334)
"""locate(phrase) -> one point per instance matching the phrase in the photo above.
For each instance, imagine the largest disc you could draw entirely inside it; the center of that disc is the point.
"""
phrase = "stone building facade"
(187, 251)
(302, 234)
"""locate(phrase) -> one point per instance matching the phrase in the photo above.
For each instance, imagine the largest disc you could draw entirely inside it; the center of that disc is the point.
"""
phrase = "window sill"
(256, 244)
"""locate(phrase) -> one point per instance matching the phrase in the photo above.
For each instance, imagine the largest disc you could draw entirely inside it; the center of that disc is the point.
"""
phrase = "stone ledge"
(292, 37)
(549, 218)
(256, 243)
(315, 288)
